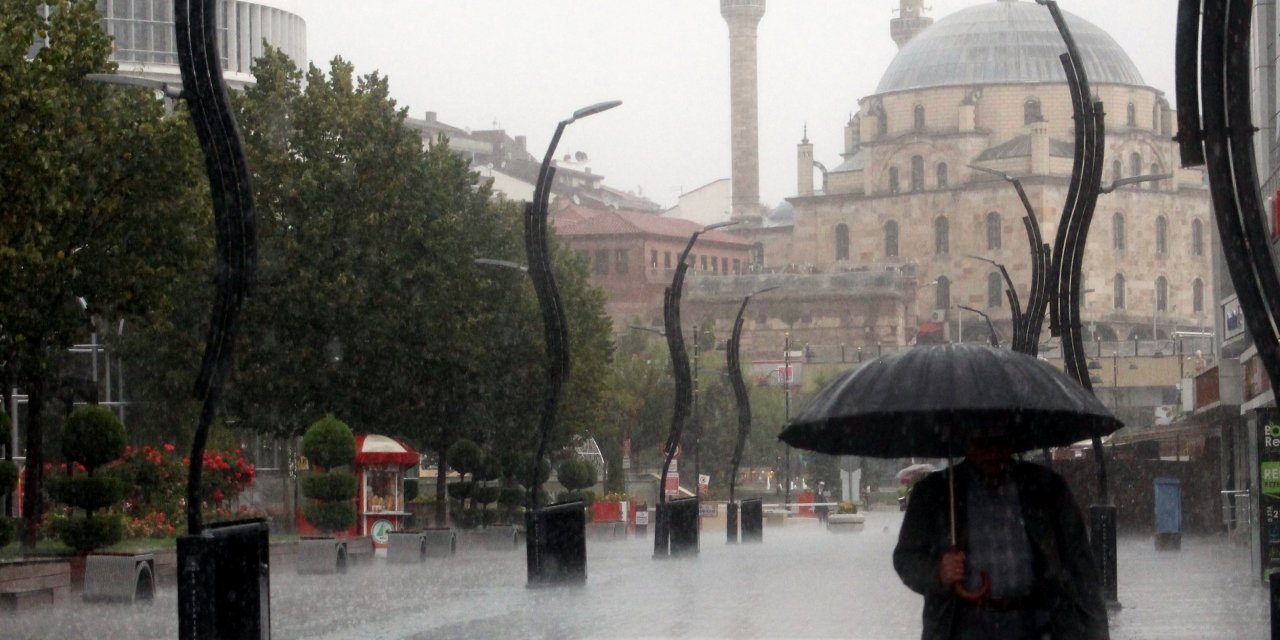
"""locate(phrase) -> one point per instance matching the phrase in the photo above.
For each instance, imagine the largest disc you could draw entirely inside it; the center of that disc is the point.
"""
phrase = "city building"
(143, 33)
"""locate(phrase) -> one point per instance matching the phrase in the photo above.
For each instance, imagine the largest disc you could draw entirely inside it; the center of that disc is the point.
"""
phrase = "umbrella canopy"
(923, 401)
(375, 449)
(907, 473)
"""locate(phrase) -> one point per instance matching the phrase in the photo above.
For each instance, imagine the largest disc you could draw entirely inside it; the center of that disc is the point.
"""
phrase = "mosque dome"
(1004, 42)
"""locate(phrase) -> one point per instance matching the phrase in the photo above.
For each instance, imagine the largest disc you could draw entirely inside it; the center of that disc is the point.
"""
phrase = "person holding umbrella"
(1026, 569)
(997, 547)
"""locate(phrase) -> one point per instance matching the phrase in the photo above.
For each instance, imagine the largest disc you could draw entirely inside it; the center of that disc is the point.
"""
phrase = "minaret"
(804, 165)
(909, 22)
(742, 17)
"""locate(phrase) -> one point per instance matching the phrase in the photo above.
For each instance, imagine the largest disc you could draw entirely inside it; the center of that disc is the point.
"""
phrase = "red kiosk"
(380, 464)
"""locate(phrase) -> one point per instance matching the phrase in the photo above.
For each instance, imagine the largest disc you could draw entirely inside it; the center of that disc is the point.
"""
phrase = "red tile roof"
(622, 223)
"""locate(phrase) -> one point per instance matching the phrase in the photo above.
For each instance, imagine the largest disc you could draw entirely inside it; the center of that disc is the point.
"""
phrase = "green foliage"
(460, 490)
(86, 534)
(8, 477)
(485, 494)
(465, 456)
(329, 443)
(846, 506)
(88, 493)
(576, 473)
(93, 436)
(511, 497)
(6, 428)
(586, 497)
(330, 516)
(8, 529)
(412, 488)
(333, 486)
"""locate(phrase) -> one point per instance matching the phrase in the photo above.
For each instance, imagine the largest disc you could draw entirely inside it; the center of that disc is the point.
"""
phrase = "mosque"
(886, 240)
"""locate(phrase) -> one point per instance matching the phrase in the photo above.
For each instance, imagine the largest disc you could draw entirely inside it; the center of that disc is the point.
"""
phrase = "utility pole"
(786, 414)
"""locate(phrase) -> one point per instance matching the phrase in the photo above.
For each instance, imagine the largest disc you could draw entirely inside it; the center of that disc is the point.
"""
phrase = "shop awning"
(375, 449)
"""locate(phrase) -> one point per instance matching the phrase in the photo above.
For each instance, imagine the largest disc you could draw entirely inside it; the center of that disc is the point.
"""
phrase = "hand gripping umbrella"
(925, 401)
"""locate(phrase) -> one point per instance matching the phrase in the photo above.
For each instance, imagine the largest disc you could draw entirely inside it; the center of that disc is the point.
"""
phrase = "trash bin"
(1168, 499)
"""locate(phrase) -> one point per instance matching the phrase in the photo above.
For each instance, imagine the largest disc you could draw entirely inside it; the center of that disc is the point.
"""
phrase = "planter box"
(846, 522)
(441, 543)
(606, 511)
(119, 578)
(322, 555)
(30, 584)
(499, 538)
(406, 547)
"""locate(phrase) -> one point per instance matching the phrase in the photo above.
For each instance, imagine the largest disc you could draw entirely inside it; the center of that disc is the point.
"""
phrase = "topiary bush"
(329, 443)
(576, 474)
(92, 437)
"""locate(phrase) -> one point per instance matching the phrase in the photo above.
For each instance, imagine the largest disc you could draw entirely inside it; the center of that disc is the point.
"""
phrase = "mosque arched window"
(1117, 231)
(1162, 235)
(1162, 294)
(1197, 237)
(942, 296)
(891, 239)
(1117, 296)
(941, 235)
(993, 231)
(995, 290)
(893, 180)
(1135, 163)
(1117, 170)
(757, 254)
(1154, 171)
(1197, 296)
(1031, 111)
(917, 174)
(1156, 116)
(942, 175)
(842, 241)
(1132, 119)
(919, 118)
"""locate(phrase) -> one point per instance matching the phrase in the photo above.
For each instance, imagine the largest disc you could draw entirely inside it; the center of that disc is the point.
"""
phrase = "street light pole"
(786, 414)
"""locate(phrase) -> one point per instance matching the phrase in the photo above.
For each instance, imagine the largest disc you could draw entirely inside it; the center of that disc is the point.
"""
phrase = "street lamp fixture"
(505, 264)
(1116, 184)
(592, 110)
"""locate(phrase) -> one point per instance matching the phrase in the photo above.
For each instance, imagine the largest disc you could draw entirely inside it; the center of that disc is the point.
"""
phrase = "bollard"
(683, 526)
(731, 523)
(224, 577)
(752, 520)
(662, 530)
(556, 547)
(1102, 538)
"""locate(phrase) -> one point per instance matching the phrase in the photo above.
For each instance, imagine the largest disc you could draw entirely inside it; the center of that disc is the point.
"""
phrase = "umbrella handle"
(973, 597)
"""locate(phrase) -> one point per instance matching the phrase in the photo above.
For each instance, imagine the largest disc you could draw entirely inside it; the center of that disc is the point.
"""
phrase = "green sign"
(1271, 478)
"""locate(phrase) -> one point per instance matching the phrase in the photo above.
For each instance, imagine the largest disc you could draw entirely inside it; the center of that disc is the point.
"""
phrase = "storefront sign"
(1232, 319)
(708, 509)
(1268, 422)
(642, 517)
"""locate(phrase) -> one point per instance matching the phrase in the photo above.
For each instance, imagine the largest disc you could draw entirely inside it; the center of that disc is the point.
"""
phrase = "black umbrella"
(923, 401)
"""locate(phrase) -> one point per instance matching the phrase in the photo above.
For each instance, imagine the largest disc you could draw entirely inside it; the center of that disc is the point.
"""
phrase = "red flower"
(170, 448)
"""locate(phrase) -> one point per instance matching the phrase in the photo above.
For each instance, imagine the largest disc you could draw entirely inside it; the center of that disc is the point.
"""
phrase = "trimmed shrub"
(330, 487)
(512, 497)
(93, 436)
(8, 530)
(411, 489)
(94, 532)
(465, 457)
(485, 495)
(330, 516)
(88, 493)
(459, 490)
(329, 442)
(576, 473)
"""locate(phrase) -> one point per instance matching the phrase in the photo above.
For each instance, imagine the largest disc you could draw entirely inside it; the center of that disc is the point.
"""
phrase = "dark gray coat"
(1066, 576)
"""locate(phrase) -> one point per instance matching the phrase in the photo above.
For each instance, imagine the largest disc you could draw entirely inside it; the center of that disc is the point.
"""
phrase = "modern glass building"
(144, 35)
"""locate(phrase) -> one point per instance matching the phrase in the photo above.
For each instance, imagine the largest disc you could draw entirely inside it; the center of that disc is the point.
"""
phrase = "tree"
(330, 445)
(101, 200)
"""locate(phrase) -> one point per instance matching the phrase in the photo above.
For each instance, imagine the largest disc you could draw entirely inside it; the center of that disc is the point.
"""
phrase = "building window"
(995, 289)
(724, 265)
(917, 173)
(1162, 235)
(891, 239)
(715, 264)
(737, 266)
(666, 259)
(1155, 116)
(941, 235)
(704, 263)
(919, 119)
(882, 123)
(842, 242)
(602, 262)
(653, 259)
(893, 179)
(1132, 119)
(757, 254)
(1197, 238)
(1031, 111)
(942, 175)
(993, 231)
(1117, 170)
(1118, 294)
(1197, 296)
(942, 297)
(1117, 231)
(621, 261)
(1162, 294)
(1135, 163)
(1155, 171)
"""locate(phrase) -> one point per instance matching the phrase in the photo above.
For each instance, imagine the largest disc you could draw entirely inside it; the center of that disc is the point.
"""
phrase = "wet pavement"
(802, 582)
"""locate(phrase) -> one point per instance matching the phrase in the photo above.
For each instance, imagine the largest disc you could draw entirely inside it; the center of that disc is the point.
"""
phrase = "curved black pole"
(995, 337)
(232, 192)
(734, 363)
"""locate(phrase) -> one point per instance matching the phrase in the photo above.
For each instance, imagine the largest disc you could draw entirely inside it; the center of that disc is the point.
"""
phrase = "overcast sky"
(523, 65)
